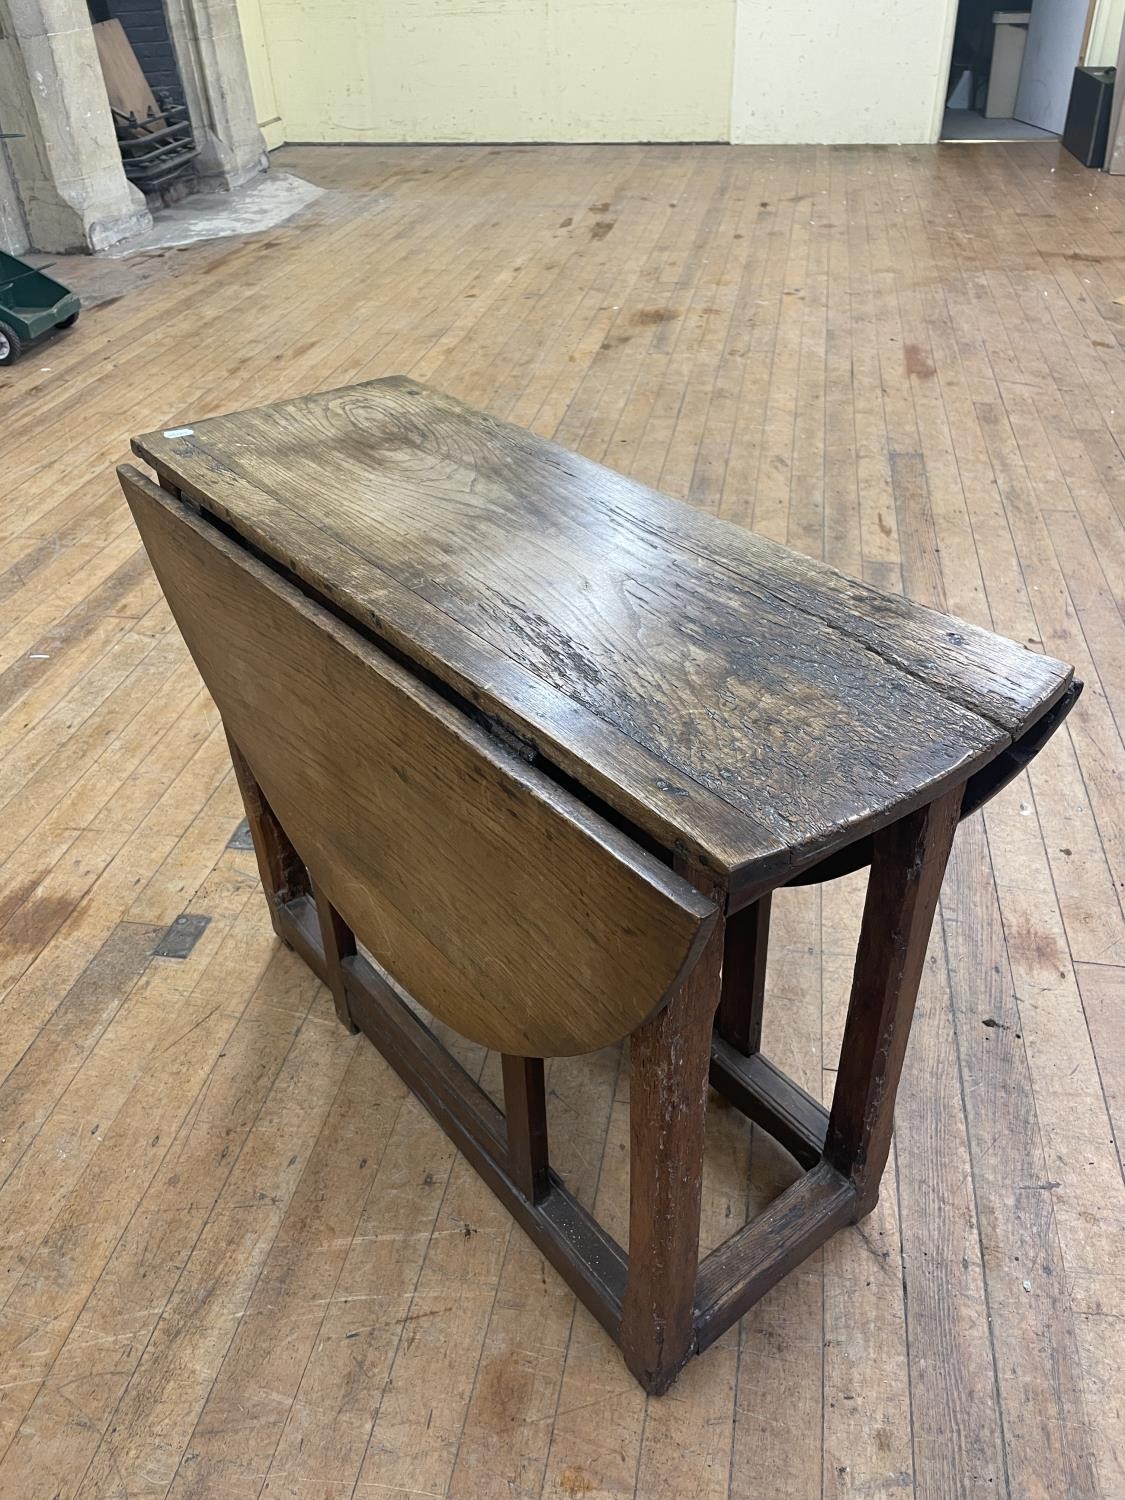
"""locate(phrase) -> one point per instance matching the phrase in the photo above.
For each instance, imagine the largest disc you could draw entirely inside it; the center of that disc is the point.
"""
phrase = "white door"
(1054, 38)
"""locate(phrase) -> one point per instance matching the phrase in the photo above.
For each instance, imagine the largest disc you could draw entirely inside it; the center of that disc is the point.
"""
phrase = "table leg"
(338, 941)
(907, 867)
(281, 868)
(667, 1106)
(744, 977)
(525, 1118)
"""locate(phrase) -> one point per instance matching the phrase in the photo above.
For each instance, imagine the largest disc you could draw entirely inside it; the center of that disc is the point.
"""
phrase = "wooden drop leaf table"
(541, 743)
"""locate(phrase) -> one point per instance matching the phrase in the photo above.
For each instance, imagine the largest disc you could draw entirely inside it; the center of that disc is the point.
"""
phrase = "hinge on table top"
(514, 743)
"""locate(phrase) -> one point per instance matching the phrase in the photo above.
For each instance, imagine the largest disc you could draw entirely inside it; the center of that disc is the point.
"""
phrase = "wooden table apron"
(544, 743)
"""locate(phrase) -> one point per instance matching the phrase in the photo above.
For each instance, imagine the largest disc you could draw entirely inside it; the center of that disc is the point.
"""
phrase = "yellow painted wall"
(254, 40)
(601, 70)
(495, 70)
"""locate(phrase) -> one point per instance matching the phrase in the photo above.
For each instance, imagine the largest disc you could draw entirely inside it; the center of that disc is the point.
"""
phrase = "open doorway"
(1012, 69)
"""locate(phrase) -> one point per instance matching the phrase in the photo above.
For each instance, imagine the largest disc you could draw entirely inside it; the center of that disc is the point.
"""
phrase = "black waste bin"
(1086, 132)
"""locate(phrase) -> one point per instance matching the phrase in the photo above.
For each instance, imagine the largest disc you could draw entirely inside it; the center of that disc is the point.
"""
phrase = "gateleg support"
(907, 867)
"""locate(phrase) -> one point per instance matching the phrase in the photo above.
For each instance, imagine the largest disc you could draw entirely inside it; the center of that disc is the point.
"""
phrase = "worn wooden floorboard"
(237, 1259)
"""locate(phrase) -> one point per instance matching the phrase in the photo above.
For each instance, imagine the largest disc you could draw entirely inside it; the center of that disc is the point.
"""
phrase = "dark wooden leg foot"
(282, 871)
(907, 867)
(339, 943)
(744, 977)
(668, 1097)
(525, 1114)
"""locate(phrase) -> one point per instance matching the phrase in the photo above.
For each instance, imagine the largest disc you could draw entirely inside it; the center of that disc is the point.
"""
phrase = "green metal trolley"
(31, 304)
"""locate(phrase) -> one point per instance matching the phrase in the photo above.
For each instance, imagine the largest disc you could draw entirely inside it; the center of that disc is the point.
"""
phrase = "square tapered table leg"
(908, 863)
(669, 1058)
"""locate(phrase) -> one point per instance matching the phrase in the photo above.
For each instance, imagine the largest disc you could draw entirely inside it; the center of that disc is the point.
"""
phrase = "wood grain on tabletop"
(655, 652)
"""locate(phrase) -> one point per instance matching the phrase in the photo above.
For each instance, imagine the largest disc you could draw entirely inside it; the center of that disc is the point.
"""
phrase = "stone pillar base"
(212, 61)
(66, 163)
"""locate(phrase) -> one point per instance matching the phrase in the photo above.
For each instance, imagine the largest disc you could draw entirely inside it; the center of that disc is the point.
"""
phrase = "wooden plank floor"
(236, 1259)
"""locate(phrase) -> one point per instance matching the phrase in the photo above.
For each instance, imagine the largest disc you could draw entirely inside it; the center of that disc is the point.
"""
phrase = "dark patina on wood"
(543, 743)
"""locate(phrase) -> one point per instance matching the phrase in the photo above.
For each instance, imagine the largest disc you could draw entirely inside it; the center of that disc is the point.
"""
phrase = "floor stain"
(504, 1391)
(35, 923)
(573, 1482)
(918, 361)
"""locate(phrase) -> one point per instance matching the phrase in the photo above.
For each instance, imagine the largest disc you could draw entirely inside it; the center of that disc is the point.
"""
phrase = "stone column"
(212, 61)
(67, 167)
(13, 230)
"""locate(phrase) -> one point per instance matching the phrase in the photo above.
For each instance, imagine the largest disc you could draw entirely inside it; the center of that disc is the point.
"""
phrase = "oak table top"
(734, 700)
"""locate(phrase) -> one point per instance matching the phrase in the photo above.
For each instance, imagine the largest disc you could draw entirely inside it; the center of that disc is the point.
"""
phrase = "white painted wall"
(499, 70)
(1105, 33)
(840, 71)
